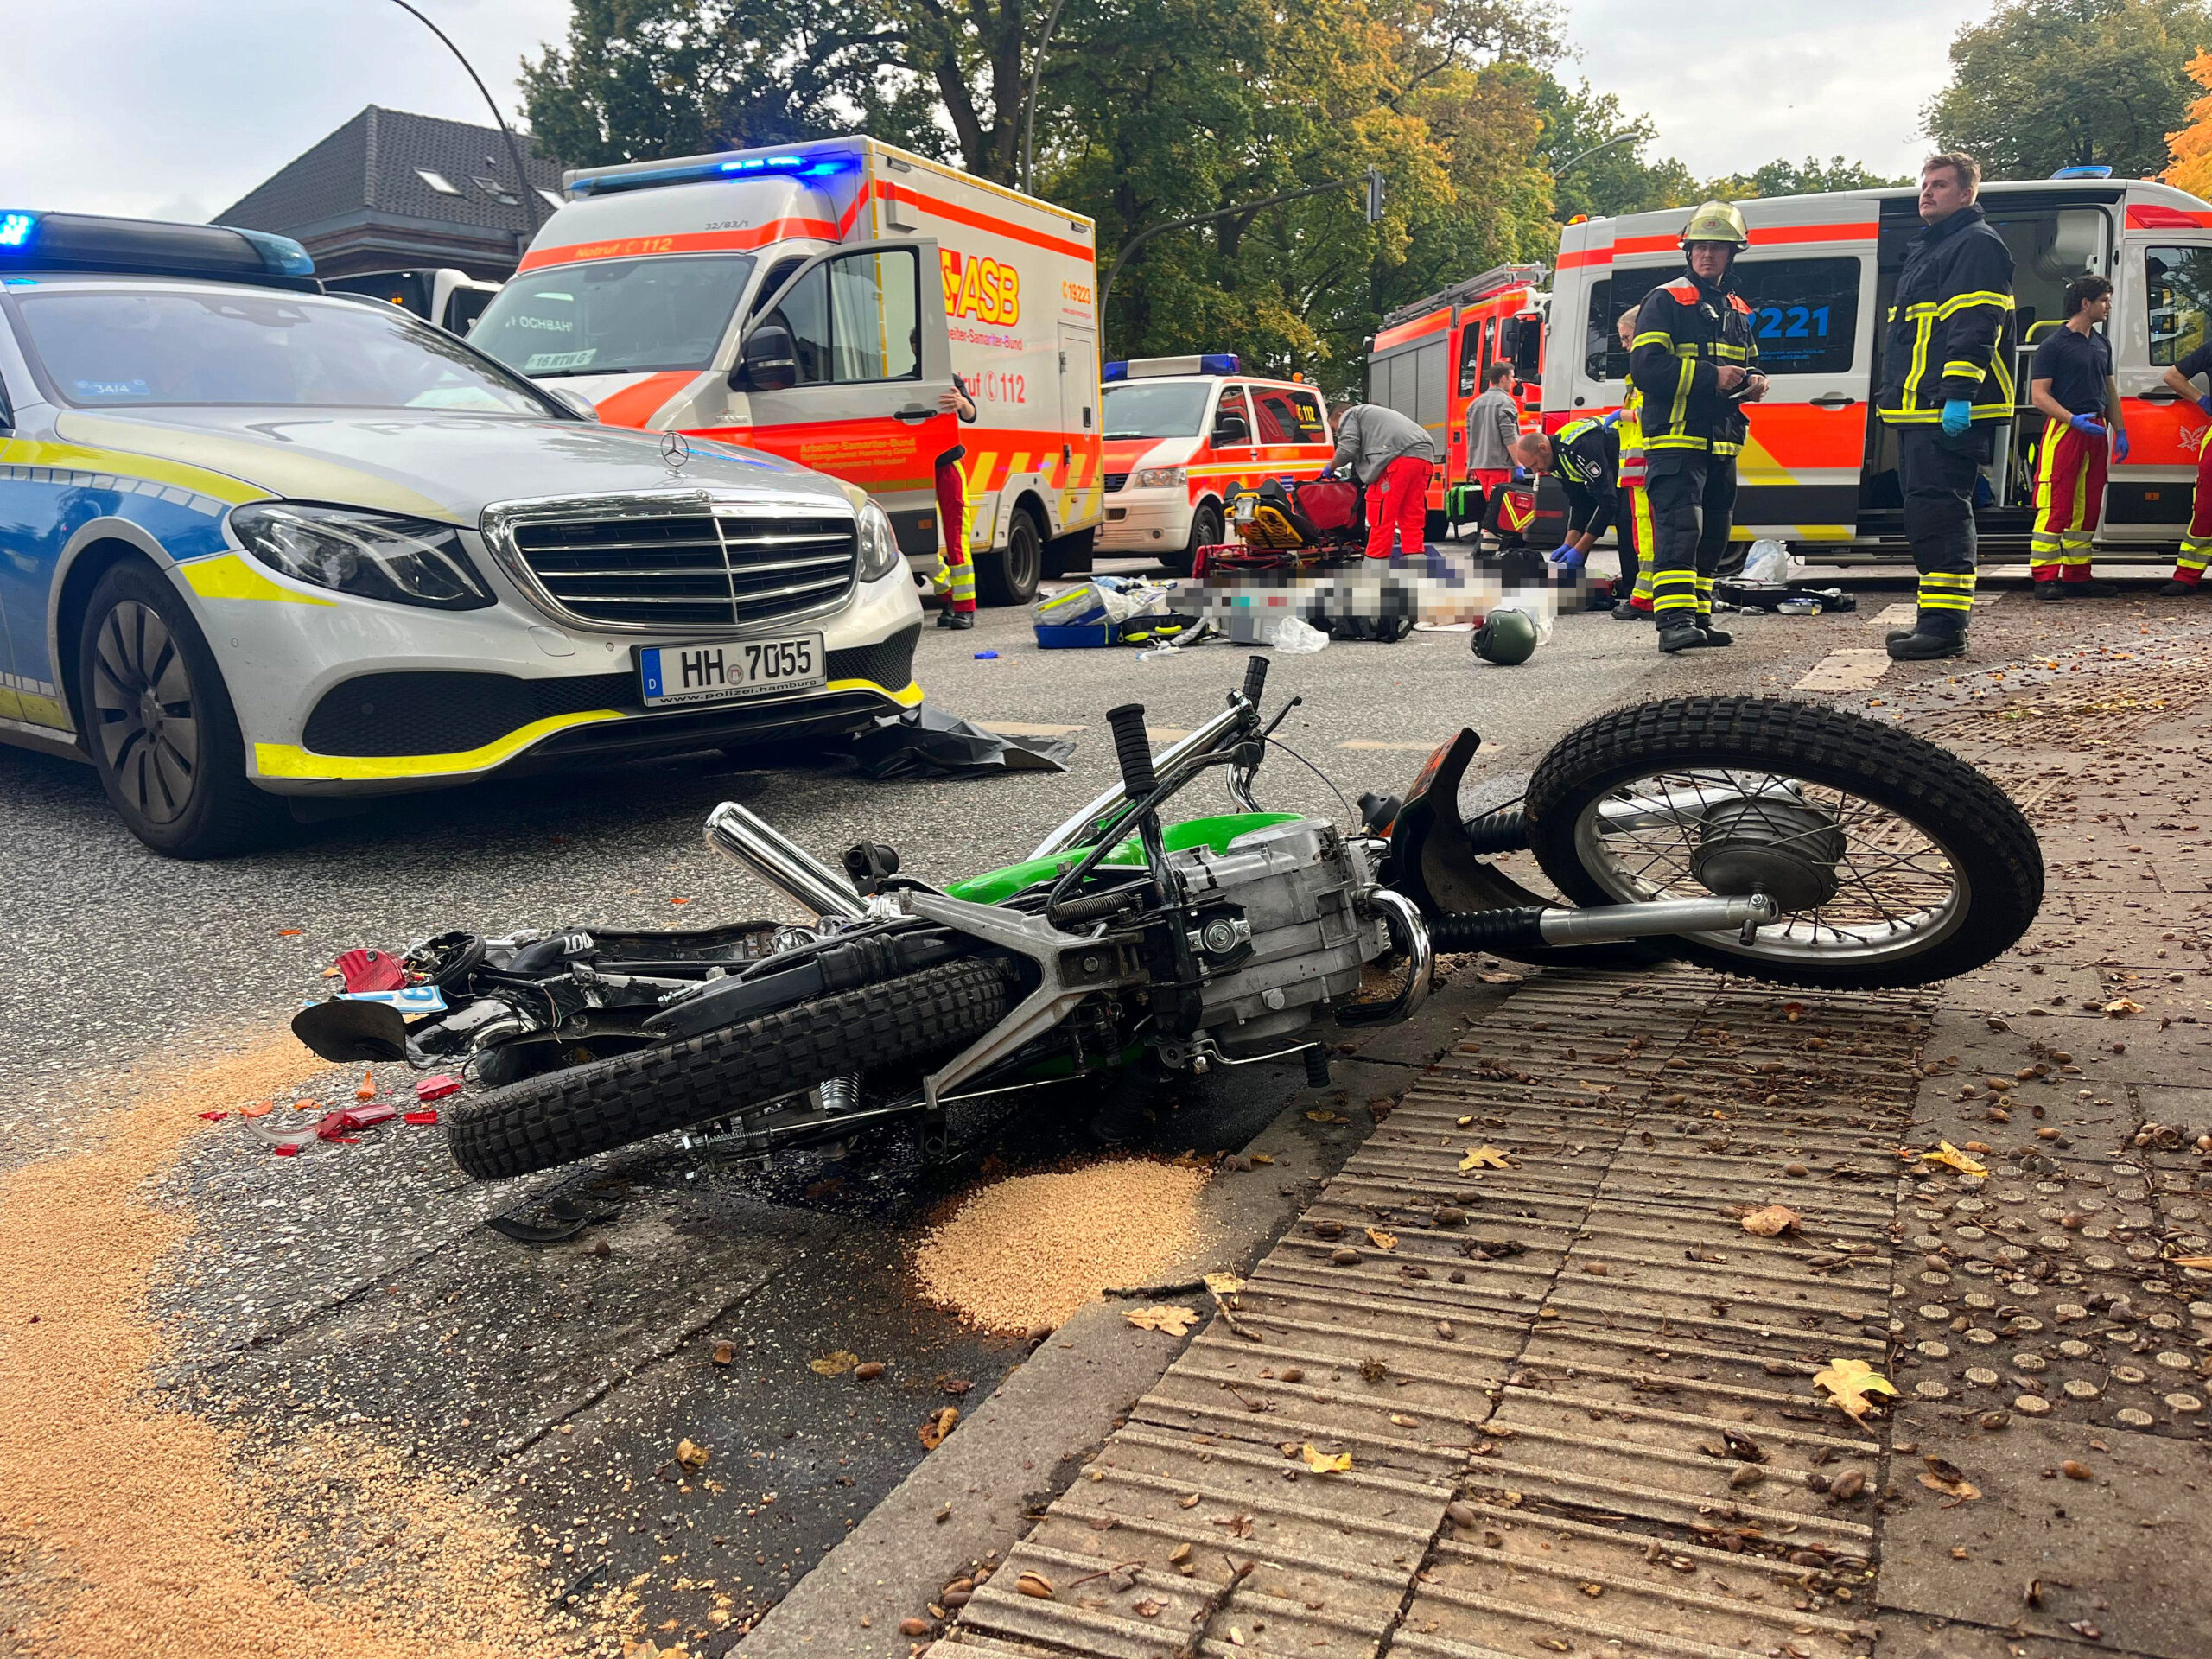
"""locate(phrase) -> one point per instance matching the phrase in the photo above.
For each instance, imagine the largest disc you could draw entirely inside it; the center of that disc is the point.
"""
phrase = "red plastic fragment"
(214, 1117)
(333, 1126)
(370, 971)
(427, 1116)
(437, 1087)
(287, 1150)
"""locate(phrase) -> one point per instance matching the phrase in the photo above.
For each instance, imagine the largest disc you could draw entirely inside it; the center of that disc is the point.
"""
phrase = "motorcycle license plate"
(729, 669)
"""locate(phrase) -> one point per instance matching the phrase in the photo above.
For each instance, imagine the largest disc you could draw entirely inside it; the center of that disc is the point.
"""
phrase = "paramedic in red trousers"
(1946, 387)
(2071, 382)
(2196, 545)
(1694, 364)
(957, 583)
(1394, 458)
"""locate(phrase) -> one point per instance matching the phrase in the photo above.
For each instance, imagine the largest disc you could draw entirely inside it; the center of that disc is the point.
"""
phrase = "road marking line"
(1846, 671)
(1897, 616)
(1024, 729)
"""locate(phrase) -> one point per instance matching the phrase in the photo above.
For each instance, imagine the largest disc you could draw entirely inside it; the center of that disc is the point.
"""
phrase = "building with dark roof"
(390, 191)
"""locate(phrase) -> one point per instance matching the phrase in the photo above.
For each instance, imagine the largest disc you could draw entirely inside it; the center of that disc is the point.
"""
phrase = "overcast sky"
(176, 108)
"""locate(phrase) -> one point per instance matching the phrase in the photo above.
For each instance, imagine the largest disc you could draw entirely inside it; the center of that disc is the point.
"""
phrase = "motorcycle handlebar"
(1255, 679)
(1133, 749)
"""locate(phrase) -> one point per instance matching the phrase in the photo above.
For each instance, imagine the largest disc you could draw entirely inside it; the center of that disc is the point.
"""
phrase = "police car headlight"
(1161, 477)
(879, 544)
(370, 555)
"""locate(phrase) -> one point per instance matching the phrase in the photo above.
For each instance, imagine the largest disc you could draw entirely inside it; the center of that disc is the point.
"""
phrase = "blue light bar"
(2083, 173)
(283, 257)
(15, 229)
(1217, 363)
(1114, 371)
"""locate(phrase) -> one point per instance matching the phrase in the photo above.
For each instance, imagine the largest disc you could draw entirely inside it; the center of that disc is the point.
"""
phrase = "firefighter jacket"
(1587, 454)
(1630, 429)
(1684, 331)
(1951, 328)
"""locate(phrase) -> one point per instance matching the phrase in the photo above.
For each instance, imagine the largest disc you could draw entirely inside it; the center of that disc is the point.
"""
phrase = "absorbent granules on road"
(1030, 1250)
(134, 1534)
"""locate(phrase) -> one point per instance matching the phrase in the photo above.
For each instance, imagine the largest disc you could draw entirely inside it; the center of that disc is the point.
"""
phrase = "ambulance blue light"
(15, 229)
(1114, 371)
(2083, 173)
(1217, 363)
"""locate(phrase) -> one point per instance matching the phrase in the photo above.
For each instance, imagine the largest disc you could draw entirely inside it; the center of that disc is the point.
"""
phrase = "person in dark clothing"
(2071, 383)
(1693, 363)
(1586, 456)
(1947, 386)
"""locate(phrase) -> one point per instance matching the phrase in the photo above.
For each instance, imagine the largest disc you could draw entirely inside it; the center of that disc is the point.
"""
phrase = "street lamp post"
(1029, 105)
(527, 196)
(1625, 137)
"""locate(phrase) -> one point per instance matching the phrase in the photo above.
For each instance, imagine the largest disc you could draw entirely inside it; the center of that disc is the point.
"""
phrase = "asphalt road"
(361, 1281)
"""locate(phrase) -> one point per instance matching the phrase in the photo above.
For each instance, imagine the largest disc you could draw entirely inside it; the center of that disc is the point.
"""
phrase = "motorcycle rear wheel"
(567, 1115)
(1923, 868)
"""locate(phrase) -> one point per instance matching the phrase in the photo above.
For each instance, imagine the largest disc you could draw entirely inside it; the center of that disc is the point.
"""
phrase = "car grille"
(677, 569)
(1115, 480)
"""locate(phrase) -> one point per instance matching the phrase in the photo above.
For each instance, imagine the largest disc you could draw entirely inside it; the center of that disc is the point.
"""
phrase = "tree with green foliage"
(2044, 83)
(1594, 152)
(1807, 178)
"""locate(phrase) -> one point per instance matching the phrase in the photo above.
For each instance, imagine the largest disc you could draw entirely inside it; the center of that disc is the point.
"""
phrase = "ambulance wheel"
(1205, 532)
(1010, 576)
(158, 722)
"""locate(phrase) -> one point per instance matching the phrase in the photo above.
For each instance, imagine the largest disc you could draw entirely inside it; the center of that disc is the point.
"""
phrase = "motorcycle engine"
(1276, 928)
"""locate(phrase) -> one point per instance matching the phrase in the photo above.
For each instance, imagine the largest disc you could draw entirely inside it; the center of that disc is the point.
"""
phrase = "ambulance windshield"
(1156, 409)
(614, 316)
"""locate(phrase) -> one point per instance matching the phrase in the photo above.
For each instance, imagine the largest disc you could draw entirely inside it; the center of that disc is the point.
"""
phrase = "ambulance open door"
(2163, 313)
(844, 369)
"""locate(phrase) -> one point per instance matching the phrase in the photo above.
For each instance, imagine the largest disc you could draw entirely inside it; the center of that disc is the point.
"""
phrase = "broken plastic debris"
(437, 1087)
(429, 1115)
(367, 1091)
(370, 971)
(987, 656)
(214, 1117)
(286, 1149)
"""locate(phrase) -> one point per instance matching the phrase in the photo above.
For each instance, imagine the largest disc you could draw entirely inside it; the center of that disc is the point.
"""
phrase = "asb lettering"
(981, 287)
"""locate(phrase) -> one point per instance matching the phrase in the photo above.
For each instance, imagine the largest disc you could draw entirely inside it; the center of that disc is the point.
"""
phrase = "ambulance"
(1819, 468)
(1184, 433)
(815, 301)
(1428, 360)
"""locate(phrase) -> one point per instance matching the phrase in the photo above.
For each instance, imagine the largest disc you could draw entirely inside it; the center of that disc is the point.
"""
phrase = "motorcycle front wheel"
(567, 1115)
(1895, 862)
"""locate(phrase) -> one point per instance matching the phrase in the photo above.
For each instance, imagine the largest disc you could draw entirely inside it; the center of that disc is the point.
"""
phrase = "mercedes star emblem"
(675, 449)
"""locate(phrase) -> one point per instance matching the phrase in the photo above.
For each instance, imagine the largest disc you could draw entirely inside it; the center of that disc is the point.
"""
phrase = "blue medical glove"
(2205, 403)
(2089, 425)
(1613, 419)
(1958, 413)
(1567, 553)
(2120, 443)
(1328, 472)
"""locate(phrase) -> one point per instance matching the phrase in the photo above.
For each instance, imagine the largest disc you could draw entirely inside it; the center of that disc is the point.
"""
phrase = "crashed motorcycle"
(1777, 840)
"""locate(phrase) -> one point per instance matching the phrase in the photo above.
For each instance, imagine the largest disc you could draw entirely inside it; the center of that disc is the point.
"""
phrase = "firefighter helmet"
(1506, 637)
(1716, 221)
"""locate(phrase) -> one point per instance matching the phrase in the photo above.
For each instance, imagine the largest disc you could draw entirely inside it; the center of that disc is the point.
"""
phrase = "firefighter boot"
(1713, 636)
(1680, 631)
(2179, 589)
(1940, 634)
(949, 618)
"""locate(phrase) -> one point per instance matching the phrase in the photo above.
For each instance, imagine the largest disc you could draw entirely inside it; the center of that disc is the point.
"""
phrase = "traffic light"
(1375, 196)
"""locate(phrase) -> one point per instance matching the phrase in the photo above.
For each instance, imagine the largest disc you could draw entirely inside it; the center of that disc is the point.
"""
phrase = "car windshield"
(1167, 409)
(611, 316)
(106, 348)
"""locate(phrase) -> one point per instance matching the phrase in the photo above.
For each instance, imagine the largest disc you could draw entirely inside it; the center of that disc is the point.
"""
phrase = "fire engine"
(815, 301)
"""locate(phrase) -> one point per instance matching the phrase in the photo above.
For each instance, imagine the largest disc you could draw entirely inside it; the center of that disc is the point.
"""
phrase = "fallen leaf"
(1773, 1219)
(1849, 1382)
(835, 1364)
(1463, 1122)
(1224, 1284)
(939, 1425)
(1484, 1157)
(1324, 1463)
(725, 1353)
(2121, 1006)
(1261, 1158)
(1962, 1490)
(1147, 1609)
(1948, 1153)
(691, 1454)
(1381, 1240)
(1175, 1321)
(1328, 1117)
(1034, 1583)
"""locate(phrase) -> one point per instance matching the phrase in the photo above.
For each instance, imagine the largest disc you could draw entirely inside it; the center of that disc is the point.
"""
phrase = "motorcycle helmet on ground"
(1506, 637)
(1716, 221)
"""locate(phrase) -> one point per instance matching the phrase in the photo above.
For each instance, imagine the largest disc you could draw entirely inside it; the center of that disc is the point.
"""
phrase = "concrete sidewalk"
(1577, 1397)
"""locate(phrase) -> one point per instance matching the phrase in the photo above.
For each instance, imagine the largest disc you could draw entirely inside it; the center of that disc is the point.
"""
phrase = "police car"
(257, 542)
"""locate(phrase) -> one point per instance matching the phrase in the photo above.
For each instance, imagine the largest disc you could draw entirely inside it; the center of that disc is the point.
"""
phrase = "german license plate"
(729, 669)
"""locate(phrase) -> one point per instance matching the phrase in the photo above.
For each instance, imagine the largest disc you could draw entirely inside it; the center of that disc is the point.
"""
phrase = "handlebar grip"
(1133, 749)
(1255, 679)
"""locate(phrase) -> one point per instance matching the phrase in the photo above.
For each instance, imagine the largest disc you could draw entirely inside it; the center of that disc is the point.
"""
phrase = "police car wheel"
(159, 724)
(1010, 576)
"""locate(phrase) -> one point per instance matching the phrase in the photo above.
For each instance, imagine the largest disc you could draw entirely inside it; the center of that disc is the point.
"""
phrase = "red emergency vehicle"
(815, 301)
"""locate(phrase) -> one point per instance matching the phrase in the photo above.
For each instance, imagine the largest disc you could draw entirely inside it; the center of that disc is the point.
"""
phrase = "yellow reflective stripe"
(1944, 602)
(289, 760)
(1958, 302)
(1949, 579)
(1675, 441)
(227, 575)
(1956, 369)
(1918, 365)
(1919, 309)
(1653, 337)
(224, 488)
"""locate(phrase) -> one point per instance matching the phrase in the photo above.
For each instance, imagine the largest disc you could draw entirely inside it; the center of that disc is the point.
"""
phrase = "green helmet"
(1716, 221)
(1507, 638)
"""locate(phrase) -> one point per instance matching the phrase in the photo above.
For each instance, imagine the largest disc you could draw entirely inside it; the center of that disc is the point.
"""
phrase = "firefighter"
(1947, 386)
(1586, 455)
(2071, 383)
(1693, 363)
(2196, 545)
(956, 583)
(1633, 535)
